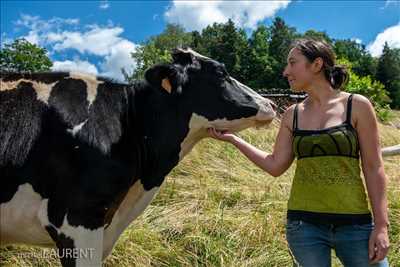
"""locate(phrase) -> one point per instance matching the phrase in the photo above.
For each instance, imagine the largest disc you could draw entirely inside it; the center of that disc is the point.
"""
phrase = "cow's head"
(203, 89)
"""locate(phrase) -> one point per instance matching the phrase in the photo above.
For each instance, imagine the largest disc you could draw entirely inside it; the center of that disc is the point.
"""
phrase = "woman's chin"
(295, 88)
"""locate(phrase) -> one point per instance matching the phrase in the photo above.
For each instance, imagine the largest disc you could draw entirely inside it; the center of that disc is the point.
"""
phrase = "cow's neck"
(159, 129)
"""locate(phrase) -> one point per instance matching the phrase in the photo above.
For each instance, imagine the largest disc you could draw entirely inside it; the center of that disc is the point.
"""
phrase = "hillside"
(218, 209)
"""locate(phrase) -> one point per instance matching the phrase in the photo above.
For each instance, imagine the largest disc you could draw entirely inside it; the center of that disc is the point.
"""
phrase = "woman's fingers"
(378, 248)
(220, 135)
(380, 254)
(214, 133)
(382, 251)
(371, 249)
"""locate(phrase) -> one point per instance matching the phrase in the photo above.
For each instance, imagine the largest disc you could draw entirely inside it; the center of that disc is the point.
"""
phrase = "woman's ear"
(165, 77)
(317, 64)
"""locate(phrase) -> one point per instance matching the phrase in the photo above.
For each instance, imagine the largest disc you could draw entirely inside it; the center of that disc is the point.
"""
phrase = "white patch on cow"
(42, 90)
(265, 111)
(42, 213)
(87, 242)
(198, 129)
(134, 203)
(91, 84)
(76, 128)
(20, 220)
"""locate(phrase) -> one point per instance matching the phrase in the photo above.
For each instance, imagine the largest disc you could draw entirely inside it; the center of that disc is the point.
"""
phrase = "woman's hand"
(221, 135)
(378, 244)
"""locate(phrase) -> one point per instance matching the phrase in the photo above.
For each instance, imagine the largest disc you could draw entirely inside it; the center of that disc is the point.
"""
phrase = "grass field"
(217, 209)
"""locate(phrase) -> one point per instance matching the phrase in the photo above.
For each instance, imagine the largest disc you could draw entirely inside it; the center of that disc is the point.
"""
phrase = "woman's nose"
(285, 72)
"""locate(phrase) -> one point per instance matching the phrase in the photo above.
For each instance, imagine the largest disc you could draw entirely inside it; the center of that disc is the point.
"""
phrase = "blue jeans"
(311, 244)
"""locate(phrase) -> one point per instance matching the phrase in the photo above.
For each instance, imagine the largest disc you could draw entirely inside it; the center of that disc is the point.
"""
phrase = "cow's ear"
(165, 76)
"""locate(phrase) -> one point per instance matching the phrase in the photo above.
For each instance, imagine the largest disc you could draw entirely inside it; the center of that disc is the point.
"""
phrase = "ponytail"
(337, 76)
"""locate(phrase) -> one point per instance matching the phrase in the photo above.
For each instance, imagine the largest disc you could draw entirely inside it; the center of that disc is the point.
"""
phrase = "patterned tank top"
(327, 185)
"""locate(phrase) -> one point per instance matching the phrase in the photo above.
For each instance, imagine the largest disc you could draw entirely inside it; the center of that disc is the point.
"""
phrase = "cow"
(82, 156)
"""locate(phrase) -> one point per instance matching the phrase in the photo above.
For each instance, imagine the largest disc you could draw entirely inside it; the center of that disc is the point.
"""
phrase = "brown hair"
(336, 75)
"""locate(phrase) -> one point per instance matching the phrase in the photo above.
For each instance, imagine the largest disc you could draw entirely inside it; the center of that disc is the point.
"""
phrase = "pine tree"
(388, 72)
(282, 37)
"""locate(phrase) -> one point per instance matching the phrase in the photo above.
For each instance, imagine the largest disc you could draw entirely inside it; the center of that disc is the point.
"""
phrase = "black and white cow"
(81, 157)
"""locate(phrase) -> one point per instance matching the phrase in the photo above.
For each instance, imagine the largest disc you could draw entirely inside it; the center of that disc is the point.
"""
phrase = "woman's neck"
(320, 93)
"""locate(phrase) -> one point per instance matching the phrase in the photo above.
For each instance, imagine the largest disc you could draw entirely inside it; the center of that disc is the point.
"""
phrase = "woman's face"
(298, 71)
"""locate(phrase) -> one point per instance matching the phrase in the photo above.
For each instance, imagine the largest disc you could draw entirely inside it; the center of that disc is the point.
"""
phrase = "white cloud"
(5, 40)
(36, 24)
(390, 35)
(357, 40)
(104, 4)
(104, 42)
(118, 58)
(75, 65)
(58, 35)
(97, 41)
(196, 15)
(38, 28)
(32, 37)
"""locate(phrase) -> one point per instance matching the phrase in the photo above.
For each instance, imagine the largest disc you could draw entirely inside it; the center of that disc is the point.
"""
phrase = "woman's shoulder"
(361, 100)
(361, 103)
(362, 108)
(358, 101)
(287, 117)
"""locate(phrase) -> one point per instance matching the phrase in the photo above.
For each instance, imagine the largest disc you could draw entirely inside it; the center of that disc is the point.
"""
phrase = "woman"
(326, 133)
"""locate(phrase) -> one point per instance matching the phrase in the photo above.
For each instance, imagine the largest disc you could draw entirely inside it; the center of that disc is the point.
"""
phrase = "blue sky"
(98, 36)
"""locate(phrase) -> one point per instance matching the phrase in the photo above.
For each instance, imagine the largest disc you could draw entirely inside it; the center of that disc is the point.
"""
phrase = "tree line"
(259, 59)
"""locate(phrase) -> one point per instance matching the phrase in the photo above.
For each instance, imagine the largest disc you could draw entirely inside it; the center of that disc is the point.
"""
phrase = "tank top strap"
(294, 127)
(349, 105)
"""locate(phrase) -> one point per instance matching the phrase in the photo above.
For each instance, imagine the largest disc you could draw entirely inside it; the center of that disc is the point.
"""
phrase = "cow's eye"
(220, 74)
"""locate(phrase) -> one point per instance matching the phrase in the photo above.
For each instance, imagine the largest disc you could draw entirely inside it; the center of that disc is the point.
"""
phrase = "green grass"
(217, 209)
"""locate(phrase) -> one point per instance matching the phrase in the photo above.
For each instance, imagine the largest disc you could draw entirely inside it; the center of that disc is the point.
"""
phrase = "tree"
(363, 63)
(227, 44)
(173, 36)
(256, 62)
(282, 36)
(388, 72)
(157, 49)
(208, 40)
(197, 43)
(318, 36)
(367, 86)
(145, 56)
(21, 56)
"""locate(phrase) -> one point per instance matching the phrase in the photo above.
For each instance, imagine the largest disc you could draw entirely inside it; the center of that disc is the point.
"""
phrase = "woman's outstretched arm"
(281, 157)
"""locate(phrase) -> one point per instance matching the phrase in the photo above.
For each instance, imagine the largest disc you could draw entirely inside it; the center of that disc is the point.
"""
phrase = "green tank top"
(327, 179)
